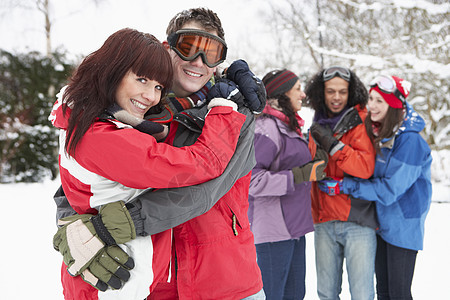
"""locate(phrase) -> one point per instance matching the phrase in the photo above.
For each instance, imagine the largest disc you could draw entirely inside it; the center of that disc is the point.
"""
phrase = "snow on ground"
(31, 267)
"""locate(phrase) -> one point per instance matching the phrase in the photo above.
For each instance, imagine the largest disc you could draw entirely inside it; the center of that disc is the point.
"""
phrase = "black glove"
(323, 136)
(250, 86)
(321, 155)
(225, 88)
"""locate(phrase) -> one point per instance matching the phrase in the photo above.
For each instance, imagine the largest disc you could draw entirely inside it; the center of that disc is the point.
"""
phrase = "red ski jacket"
(116, 162)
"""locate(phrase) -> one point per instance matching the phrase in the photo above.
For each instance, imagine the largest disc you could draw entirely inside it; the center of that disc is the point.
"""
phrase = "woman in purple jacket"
(280, 202)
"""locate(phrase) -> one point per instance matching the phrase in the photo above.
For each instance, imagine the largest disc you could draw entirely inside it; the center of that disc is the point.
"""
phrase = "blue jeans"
(336, 240)
(283, 268)
(258, 296)
(394, 269)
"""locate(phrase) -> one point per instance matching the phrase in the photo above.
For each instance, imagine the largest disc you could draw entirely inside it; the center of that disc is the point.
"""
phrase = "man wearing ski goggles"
(332, 72)
(192, 43)
(387, 85)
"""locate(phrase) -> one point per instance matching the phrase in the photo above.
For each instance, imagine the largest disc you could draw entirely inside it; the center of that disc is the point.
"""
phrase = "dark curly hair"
(315, 93)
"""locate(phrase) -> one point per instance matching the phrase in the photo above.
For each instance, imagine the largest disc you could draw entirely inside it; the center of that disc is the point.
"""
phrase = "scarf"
(175, 104)
(273, 108)
(324, 120)
(157, 130)
(376, 128)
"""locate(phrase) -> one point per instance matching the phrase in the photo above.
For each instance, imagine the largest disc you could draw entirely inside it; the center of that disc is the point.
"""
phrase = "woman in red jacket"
(108, 153)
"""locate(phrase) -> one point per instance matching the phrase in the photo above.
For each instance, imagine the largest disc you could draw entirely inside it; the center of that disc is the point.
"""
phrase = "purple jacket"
(279, 209)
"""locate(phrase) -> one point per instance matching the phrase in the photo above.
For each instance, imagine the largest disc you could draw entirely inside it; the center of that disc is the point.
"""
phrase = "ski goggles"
(332, 72)
(387, 85)
(191, 43)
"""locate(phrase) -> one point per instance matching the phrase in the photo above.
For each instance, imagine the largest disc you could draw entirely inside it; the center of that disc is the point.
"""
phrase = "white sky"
(81, 27)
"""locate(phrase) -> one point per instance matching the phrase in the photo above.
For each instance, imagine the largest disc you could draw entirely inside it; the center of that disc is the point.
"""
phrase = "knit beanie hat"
(395, 99)
(279, 82)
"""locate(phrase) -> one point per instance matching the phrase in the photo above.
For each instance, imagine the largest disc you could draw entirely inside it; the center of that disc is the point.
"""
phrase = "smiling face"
(296, 95)
(336, 95)
(378, 107)
(137, 94)
(189, 76)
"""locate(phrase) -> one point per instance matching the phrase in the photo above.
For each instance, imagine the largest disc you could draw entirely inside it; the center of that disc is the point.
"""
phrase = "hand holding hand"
(330, 186)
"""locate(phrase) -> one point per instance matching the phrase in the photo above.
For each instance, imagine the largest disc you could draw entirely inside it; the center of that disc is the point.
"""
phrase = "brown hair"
(93, 85)
(203, 16)
(392, 119)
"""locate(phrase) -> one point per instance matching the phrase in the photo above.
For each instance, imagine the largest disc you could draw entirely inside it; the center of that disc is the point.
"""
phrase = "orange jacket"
(356, 158)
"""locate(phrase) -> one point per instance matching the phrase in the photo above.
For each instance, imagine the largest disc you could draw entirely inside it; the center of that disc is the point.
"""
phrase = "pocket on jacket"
(414, 202)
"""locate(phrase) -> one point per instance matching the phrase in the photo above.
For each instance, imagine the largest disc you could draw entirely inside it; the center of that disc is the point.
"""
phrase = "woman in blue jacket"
(400, 185)
(280, 200)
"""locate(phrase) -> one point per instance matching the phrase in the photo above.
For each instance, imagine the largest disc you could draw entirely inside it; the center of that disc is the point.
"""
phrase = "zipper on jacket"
(234, 222)
(234, 225)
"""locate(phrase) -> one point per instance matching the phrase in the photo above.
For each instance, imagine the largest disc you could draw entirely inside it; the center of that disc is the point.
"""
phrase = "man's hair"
(93, 85)
(205, 17)
(315, 92)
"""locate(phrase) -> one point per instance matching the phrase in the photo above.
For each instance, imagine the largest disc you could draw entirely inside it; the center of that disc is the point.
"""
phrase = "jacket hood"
(413, 121)
(58, 119)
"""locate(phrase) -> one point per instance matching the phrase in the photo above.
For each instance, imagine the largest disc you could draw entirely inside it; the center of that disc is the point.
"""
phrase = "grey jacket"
(159, 210)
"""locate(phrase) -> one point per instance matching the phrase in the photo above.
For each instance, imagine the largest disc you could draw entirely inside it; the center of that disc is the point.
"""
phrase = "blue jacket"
(279, 209)
(400, 185)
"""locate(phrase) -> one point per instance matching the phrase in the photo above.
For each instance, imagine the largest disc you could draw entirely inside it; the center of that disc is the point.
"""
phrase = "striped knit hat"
(279, 82)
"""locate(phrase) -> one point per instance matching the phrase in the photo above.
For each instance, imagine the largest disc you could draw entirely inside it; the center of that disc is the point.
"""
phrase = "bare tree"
(411, 41)
(43, 7)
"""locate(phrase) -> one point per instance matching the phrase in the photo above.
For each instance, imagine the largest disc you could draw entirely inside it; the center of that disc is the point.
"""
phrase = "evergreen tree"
(28, 142)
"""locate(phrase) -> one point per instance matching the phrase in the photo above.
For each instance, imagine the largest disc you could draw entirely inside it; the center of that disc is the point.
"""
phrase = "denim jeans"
(258, 296)
(336, 240)
(394, 269)
(283, 268)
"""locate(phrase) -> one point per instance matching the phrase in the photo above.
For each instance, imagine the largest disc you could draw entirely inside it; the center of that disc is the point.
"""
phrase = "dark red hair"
(93, 85)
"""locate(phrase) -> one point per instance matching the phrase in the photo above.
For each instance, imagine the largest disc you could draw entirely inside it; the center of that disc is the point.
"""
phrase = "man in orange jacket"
(344, 226)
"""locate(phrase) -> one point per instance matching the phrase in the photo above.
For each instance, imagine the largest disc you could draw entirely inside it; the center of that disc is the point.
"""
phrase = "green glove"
(109, 268)
(82, 240)
(312, 171)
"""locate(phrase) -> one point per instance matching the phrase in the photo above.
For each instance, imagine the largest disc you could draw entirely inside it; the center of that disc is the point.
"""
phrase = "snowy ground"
(31, 268)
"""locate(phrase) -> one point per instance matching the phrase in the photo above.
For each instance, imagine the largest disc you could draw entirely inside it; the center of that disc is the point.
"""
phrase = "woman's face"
(296, 95)
(378, 107)
(137, 94)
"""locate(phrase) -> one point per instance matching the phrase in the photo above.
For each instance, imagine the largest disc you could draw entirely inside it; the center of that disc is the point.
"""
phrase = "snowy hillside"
(31, 268)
